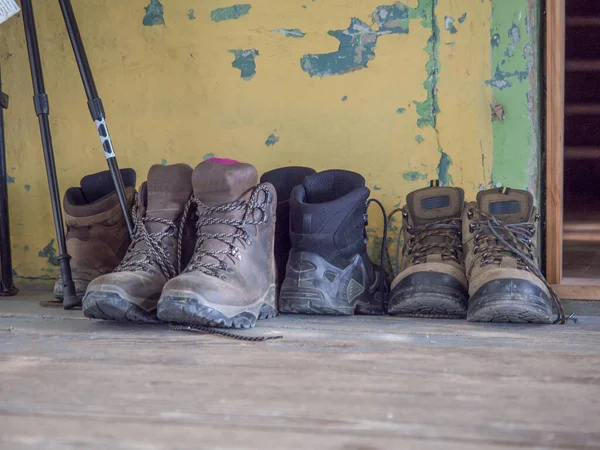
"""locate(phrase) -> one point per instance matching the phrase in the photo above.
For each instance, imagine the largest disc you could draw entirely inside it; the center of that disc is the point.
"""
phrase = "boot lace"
(418, 248)
(155, 252)
(254, 213)
(493, 240)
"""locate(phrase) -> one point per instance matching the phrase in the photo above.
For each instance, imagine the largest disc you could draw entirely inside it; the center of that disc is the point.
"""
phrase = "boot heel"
(313, 286)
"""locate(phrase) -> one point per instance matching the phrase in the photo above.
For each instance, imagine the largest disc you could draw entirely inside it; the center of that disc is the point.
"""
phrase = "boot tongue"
(435, 203)
(216, 183)
(508, 205)
(168, 189)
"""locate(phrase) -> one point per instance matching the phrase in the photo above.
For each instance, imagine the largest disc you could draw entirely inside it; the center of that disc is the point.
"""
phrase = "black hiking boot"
(328, 270)
(284, 180)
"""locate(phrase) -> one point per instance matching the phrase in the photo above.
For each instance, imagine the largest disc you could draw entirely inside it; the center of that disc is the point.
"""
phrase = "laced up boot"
(97, 236)
(132, 291)
(284, 180)
(328, 270)
(432, 281)
(505, 283)
(230, 281)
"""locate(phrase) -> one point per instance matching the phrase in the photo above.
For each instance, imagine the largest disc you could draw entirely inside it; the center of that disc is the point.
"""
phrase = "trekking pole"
(6, 280)
(95, 106)
(40, 101)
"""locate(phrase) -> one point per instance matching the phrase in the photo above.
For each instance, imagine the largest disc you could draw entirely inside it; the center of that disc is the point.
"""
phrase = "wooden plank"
(578, 289)
(580, 65)
(582, 109)
(349, 383)
(582, 153)
(555, 76)
(583, 21)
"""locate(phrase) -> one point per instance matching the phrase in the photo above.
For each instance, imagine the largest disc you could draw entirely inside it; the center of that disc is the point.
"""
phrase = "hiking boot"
(230, 281)
(97, 235)
(432, 281)
(132, 291)
(284, 180)
(505, 284)
(328, 270)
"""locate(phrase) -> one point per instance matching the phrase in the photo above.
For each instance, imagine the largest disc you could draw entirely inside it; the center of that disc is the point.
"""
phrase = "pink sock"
(223, 160)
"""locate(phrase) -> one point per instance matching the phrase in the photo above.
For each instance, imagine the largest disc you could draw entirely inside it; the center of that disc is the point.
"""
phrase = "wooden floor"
(357, 383)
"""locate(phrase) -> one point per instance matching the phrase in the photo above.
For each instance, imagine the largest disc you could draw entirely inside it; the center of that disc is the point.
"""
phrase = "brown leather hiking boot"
(505, 284)
(432, 281)
(230, 281)
(132, 291)
(97, 236)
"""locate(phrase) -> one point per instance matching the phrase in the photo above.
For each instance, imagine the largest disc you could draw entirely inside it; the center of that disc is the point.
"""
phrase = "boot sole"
(190, 308)
(112, 306)
(428, 301)
(313, 286)
(508, 309)
(510, 301)
(429, 294)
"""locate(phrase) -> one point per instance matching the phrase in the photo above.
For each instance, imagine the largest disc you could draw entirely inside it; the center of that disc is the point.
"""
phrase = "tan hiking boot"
(432, 281)
(505, 284)
(230, 281)
(97, 236)
(132, 291)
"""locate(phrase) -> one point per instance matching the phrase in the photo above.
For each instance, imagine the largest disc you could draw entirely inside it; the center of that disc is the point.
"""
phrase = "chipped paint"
(376, 119)
(514, 86)
(191, 15)
(428, 109)
(208, 156)
(27, 187)
(357, 42)
(344, 98)
(163, 162)
(414, 176)
(376, 188)
(419, 138)
(10, 179)
(154, 14)
(230, 12)
(293, 32)
(244, 60)
(392, 19)
(443, 170)
(462, 18)
(49, 252)
(449, 24)
(271, 140)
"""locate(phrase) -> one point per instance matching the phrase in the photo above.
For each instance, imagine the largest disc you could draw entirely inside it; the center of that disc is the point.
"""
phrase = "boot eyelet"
(470, 213)
(168, 254)
(230, 270)
(471, 228)
(405, 214)
(248, 242)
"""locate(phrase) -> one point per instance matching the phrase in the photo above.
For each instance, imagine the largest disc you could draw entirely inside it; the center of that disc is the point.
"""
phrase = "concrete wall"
(403, 93)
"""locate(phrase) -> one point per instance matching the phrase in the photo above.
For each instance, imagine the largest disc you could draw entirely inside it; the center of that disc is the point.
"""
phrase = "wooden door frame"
(555, 117)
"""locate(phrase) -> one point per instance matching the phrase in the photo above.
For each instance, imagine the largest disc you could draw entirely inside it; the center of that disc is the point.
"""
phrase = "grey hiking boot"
(284, 180)
(132, 291)
(230, 281)
(329, 271)
(432, 281)
(505, 283)
(97, 236)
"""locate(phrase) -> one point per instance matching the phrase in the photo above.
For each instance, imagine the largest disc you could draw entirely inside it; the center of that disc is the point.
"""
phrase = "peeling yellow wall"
(171, 94)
